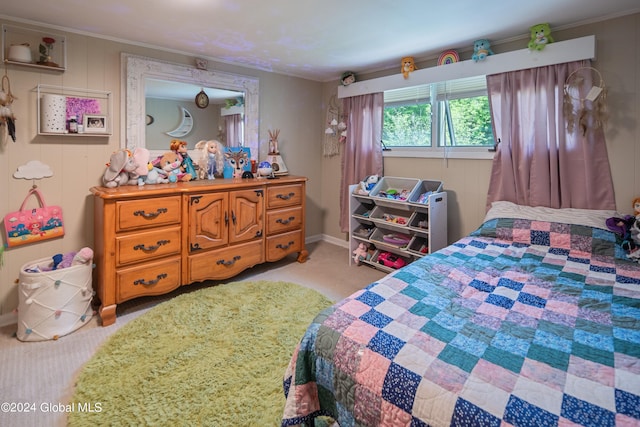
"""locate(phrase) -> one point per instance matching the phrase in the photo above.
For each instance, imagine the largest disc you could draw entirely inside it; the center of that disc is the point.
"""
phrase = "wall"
(288, 103)
(467, 181)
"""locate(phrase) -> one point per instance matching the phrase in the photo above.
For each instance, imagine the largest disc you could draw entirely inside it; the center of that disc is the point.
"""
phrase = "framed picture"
(94, 123)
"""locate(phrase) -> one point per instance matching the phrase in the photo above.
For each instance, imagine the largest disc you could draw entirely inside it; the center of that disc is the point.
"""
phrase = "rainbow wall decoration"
(448, 57)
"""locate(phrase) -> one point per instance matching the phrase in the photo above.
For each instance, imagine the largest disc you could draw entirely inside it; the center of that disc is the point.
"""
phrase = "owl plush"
(540, 36)
(481, 49)
(408, 65)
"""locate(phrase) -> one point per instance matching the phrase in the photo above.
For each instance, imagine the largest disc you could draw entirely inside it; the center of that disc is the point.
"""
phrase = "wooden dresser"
(152, 239)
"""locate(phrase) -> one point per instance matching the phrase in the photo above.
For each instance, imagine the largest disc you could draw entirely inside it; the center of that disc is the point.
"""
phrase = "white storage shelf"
(419, 220)
(14, 36)
(84, 103)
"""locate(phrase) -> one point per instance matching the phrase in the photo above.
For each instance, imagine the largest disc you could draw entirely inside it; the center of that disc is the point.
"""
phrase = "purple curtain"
(362, 154)
(539, 162)
(233, 128)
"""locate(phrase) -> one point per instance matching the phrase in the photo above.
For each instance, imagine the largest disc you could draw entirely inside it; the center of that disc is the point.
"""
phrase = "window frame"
(438, 91)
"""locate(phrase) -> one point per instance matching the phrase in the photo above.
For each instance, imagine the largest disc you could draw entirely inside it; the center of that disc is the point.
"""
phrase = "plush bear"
(540, 36)
(170, 163)
(120, 165)
(408, 66)
(481, 49)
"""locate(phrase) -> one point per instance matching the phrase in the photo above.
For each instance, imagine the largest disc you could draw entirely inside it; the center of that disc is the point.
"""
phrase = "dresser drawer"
(144, 213)
(154, 278)
(284, 195)
(282, 220)
(281, 245)
(147, 245)
(224, 263)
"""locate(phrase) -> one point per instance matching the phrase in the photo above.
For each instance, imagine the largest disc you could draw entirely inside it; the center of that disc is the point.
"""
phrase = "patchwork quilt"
(523, 323)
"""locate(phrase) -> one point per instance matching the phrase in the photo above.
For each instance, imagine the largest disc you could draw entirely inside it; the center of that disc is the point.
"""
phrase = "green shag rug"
(211, 357)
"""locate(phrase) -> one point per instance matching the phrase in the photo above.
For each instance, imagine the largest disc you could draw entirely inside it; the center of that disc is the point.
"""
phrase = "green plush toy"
(540, 36)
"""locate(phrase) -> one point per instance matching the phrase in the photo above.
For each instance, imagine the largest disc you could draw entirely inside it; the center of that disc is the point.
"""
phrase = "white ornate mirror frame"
(138, 68)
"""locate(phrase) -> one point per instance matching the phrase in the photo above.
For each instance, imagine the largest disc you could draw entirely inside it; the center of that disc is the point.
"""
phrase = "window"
(428, 119)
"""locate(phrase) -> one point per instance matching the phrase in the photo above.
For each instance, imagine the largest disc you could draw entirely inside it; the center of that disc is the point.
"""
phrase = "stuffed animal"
(170, 163)
(154, 175)
(360, 253)
(347, 78)
(141, 158)
(408, 65)
(628, 228)
(83, 256)
(238, 161)
(481, 49)
(180, 147)
(120, 165)
(210, 159)
(366, 185)
(540, 36)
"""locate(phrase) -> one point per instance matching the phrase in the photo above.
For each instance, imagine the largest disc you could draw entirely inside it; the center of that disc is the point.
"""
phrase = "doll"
(211, 160)
(360, 253)
(180, 147)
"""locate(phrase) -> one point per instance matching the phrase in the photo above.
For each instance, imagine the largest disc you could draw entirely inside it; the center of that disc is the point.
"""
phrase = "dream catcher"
(336, 131)
(7, 119)
(585, 97)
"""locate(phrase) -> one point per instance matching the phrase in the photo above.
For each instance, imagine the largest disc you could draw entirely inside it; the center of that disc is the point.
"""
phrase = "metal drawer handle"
(151, 214)
(285, 221)
(151, 282)
(142, 247)
(285, 196)
(230, 262)
(285, 247)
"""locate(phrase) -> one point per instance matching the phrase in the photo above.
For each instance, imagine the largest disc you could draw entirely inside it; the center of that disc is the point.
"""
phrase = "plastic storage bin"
(421, 191)
(54, 303)
(402, 188)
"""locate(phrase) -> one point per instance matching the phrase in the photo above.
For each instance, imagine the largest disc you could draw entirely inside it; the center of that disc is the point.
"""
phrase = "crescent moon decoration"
(448, 57)
(185, 125)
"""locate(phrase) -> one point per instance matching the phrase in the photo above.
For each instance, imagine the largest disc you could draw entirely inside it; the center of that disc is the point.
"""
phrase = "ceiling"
(318, 40)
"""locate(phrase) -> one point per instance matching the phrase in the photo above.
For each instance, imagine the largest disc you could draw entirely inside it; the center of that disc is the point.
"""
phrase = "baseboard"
(328, 239)
(8, 319)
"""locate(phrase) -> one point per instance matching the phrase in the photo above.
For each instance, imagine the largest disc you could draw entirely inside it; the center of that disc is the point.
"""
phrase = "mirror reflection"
(183, 116)
(192, 113)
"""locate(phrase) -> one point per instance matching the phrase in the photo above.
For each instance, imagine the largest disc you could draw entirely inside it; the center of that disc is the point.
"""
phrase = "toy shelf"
(419, 219)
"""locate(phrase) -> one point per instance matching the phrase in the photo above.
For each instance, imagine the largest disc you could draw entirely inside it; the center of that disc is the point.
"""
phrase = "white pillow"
(589, 217)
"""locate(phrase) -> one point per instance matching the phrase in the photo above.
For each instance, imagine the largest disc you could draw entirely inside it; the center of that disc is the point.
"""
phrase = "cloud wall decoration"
(33, 169)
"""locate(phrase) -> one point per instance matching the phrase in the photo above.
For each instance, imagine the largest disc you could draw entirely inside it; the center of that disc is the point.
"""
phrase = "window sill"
(449, 153)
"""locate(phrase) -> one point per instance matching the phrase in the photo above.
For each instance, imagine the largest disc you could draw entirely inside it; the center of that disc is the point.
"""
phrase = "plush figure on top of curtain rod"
(540, 36)
(408, 66)
(481, 49)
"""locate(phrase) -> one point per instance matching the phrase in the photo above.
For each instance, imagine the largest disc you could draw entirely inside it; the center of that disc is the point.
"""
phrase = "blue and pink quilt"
(523, 323)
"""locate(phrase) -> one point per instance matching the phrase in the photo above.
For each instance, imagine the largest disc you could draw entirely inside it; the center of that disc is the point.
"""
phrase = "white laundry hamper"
(53, 303)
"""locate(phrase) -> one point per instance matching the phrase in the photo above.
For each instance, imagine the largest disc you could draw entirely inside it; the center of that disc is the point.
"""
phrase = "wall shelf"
(12, 35)
(55, 104)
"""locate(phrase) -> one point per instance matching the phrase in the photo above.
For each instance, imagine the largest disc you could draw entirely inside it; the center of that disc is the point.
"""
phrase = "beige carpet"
(41, 374)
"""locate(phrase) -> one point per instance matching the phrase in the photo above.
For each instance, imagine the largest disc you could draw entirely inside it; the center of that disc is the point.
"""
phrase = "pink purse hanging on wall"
(33, 225)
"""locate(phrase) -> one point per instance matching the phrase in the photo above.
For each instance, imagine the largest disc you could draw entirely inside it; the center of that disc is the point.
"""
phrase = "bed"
(533, 319)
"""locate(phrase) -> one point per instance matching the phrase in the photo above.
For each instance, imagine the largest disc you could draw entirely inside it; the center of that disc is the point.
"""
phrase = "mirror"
(141, 71)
